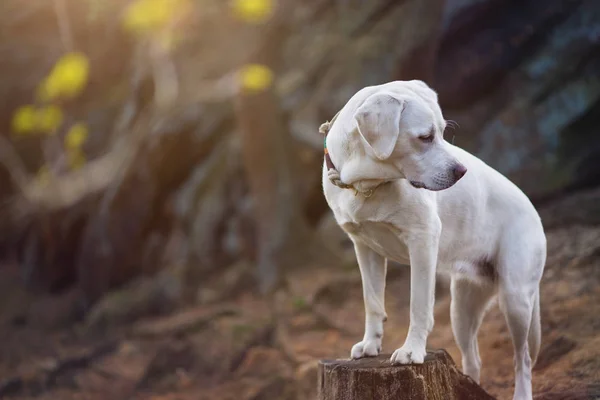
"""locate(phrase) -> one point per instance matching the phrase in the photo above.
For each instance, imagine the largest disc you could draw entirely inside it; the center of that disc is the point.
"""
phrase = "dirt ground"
(222, 351)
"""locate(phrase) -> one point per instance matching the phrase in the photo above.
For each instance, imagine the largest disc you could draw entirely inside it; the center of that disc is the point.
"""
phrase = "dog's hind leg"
(520, 268)
(534, 339)
(467, 309)
(372, 270)
(517, 305)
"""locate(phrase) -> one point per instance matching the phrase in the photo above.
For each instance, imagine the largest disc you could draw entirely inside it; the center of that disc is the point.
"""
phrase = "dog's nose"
(459, 171)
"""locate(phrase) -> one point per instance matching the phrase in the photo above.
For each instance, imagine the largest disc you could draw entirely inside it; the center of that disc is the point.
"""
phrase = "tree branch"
(62, 17)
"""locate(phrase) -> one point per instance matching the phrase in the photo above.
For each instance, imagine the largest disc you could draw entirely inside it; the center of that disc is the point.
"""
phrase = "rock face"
(525, 89)
(375, 378)
(520, 78)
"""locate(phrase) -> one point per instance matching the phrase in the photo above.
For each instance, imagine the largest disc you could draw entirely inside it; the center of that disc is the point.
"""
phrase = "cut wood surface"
(377, 379)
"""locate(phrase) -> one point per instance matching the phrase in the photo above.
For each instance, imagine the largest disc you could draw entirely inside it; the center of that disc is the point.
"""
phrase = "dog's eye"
(427, 138)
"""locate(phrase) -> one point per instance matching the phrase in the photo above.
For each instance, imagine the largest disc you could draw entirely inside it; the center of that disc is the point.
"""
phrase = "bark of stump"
(376, 379)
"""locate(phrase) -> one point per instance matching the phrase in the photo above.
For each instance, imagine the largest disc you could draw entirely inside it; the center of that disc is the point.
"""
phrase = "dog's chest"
(369, 220)
(382, 237)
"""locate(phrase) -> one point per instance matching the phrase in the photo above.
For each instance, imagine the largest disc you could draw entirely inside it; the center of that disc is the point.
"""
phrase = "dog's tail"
(534, 339)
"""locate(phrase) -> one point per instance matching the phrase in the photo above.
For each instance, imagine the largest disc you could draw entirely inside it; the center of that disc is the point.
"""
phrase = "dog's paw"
(366, 348)
(408, 355)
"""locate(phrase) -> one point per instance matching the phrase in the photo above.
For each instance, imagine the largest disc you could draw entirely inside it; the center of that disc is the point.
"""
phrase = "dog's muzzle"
(418, 185)
(455, 174)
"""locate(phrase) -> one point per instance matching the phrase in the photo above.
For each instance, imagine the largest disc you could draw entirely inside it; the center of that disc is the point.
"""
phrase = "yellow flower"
(67, 79)
(145, 16)
(28, 119)
(76, 159)
(24, 120)
(253, 11)
(256, 77)
(76, 136)
(49, 119)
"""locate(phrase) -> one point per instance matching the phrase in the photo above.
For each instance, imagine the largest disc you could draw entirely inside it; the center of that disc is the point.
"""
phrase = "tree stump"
(376, 378)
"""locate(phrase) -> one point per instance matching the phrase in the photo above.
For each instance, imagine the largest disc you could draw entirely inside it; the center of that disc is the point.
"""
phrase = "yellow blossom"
(67, 79)
(256, 77)
(49, 119)
(253, 11)
(24, 120)
(144, 16)
(76, 136)
(28, 119)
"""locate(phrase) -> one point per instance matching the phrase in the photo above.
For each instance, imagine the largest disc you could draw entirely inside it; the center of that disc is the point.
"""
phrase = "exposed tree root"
(47, 376)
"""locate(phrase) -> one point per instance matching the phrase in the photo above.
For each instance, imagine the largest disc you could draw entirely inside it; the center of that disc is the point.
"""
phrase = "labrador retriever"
(402, 192)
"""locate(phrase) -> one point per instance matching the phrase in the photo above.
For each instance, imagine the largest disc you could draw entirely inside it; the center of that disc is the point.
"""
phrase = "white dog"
(416, 199)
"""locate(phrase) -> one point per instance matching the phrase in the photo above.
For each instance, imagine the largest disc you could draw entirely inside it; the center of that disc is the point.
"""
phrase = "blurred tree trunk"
(118, 236)
(269, 161)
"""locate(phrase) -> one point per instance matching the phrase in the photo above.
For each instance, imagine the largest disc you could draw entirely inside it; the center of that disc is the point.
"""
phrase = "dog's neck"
(355, 167)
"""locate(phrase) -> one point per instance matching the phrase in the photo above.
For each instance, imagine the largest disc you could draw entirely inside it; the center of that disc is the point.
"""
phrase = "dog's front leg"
(423, 252)
(372, 269)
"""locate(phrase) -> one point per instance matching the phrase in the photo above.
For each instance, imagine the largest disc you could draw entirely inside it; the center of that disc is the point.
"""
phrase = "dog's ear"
(378, 120)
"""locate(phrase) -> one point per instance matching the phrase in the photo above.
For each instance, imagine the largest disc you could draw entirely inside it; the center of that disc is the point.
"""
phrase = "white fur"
(481, 228)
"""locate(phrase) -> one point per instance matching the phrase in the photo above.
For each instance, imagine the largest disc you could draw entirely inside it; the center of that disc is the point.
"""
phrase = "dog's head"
(404, 128)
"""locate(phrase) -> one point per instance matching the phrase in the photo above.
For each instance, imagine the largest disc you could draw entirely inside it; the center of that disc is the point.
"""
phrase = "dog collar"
(332, 172)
